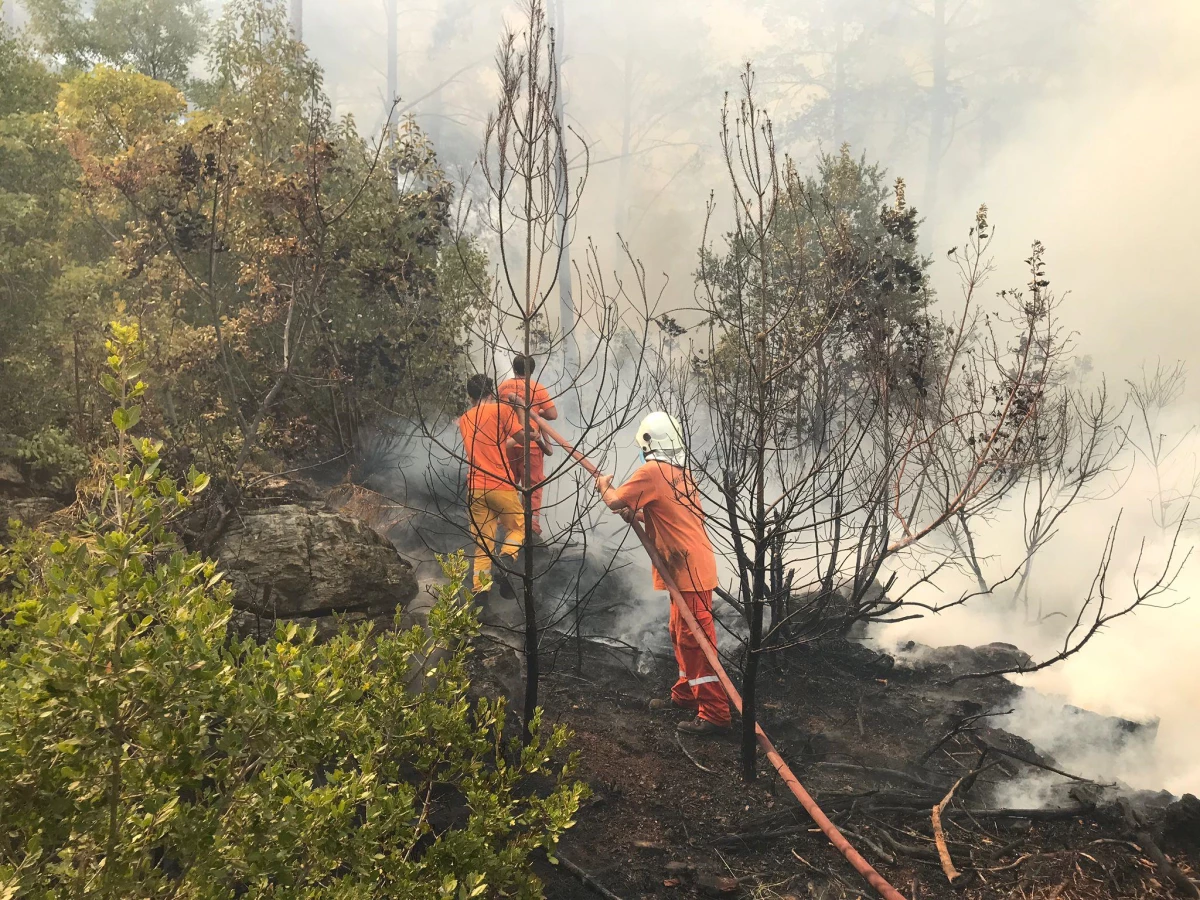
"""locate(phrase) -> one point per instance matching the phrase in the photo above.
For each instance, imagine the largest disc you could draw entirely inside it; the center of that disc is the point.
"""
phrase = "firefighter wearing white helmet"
(663, 492)
(661, 438)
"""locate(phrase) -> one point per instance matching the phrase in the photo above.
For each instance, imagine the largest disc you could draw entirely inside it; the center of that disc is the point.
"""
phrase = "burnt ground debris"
(878, 746)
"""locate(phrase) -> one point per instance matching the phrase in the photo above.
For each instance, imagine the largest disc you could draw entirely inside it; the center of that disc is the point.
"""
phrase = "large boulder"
(29, 511)
(11, 478)
(962, 660)
(1181, 822)
(303, 563)
(18, 501)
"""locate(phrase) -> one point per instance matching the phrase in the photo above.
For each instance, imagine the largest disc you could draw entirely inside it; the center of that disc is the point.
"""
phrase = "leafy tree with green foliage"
(26, 85)
(842, 425)
(144, 752)
(54, 279)
(838, 259)
(298, 285)
(158, 38)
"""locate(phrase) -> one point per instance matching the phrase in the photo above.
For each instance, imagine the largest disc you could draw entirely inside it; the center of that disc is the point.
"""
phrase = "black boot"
(502, 582)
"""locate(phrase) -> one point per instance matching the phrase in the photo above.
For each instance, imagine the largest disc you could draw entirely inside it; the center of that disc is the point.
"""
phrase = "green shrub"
(53, 458)
(145, 753)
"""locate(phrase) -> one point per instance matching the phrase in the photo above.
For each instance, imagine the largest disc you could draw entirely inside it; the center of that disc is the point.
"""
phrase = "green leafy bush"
(53, 458)
(145, 753)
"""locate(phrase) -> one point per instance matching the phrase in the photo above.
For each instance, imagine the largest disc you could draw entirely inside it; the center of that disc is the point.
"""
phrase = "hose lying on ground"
(864, 868)
(588, 880)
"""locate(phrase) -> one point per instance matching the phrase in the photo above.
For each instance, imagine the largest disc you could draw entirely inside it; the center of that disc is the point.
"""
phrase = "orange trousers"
(537, 474)
(698, 687)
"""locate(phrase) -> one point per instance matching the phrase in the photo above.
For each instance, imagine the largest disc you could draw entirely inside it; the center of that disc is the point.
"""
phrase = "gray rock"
(280, 490)
(1181, 821)
(999, 655)
(10, 475)
(29, 511)
(960, 659)
(296, 562)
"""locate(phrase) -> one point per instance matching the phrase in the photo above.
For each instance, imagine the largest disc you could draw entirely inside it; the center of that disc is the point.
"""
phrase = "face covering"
(642, 455)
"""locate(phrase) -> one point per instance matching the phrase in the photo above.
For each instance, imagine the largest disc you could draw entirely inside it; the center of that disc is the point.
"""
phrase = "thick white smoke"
(1100, 170)
(1103, 176)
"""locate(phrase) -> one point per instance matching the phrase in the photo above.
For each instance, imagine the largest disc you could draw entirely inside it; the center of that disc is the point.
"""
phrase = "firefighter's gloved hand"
(632, 515)
(603, 484)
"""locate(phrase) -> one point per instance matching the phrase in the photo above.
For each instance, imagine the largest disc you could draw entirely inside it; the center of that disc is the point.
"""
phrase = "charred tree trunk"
(532, 663)
(760, 596)
(778, 598)
(758, 601)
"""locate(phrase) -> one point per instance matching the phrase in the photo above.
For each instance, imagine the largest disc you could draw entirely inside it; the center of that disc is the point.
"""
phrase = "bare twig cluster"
(852, 435)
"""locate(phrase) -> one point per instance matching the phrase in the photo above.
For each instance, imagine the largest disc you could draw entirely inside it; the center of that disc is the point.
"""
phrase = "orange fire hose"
(864, 868)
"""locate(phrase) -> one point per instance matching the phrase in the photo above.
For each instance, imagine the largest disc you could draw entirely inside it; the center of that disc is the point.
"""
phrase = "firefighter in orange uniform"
(663, 492)
(513, 391)
(490, 431)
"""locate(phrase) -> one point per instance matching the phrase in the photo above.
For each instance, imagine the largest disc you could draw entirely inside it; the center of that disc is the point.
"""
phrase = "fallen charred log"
(919, 780)
(1140, 832)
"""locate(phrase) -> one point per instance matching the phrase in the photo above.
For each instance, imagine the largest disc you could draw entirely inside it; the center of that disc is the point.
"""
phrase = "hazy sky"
(1105, 176)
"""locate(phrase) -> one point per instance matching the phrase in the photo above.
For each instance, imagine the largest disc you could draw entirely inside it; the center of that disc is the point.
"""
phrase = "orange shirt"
(485, 429)
(512, 390)
(674, 522)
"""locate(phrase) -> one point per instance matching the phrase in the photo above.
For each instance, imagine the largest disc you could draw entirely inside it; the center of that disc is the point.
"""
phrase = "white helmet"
(661, 438)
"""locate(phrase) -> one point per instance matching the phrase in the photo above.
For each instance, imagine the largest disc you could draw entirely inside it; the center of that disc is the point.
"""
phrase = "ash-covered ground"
(878, 745)
(879, 738)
